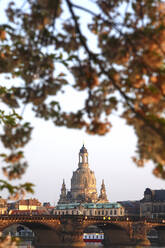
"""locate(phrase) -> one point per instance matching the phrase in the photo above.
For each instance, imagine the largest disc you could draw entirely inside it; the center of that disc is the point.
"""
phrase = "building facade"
(24, 205)
(153, 204)
(132, 208)
(90, 209)
(3, 206)
(83, 184)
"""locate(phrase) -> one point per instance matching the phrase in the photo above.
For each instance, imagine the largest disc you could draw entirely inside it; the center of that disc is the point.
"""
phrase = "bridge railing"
(81, 217)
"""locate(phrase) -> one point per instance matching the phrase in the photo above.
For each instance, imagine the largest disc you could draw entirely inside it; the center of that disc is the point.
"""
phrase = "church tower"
(103, 195)
(83, 182)
(83, 157)
(63, 196)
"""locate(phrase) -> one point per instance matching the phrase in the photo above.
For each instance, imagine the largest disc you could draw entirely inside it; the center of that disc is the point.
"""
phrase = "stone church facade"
(83, 184)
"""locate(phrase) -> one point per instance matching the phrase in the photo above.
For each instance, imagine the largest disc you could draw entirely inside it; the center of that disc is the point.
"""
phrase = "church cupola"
(63, 196)
(103, 195)
(63, 188)
(83, 157)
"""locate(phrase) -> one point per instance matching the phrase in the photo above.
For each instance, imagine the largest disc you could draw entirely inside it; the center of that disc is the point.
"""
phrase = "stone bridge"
(67, 230)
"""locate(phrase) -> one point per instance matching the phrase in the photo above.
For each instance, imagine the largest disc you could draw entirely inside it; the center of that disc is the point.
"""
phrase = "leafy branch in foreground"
(14, 137)
(16, 191)
(8, 241)
(9, 119)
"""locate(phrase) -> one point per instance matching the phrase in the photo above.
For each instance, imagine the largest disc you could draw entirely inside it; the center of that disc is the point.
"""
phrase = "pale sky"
(52, 155)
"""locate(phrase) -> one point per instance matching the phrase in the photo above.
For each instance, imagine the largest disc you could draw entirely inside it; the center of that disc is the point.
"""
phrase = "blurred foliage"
(8, 241)
(119, 62)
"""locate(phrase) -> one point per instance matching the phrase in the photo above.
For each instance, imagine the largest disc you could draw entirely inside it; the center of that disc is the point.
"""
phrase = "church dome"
(83, 149)
(83, 182)
(83, 185)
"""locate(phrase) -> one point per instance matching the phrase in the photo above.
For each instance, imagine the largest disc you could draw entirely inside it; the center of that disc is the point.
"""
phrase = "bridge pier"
(51, 238)
(143, 242)
(71, 232)
(128, 233)
(138, 234)
(46, 238)
(116, 237)
(72, 240)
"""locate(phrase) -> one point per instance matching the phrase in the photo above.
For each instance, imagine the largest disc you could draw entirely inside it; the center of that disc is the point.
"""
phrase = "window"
(95, 212)
(98, 212)
(66, 211)
(155, 209)
(90, 212)
(103, 212)
(85, 181)
(115, 212)
(62, 212)
(154, 215)
(106, 212)
(148, 208)
(84, 212)
(72, 212)
(111, 213)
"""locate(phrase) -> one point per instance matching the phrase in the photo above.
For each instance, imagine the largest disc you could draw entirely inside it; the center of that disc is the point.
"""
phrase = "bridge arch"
(15, 229)
(114, 233)
(45, 231)
(93, 232)
(31, 224)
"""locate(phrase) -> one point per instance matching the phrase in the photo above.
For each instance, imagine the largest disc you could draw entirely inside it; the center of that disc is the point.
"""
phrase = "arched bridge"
(67, 230)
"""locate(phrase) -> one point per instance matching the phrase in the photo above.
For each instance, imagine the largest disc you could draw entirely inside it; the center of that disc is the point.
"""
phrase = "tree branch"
(94, 57)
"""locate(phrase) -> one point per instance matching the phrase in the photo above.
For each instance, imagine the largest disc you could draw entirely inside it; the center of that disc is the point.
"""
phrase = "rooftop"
(88, 205)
